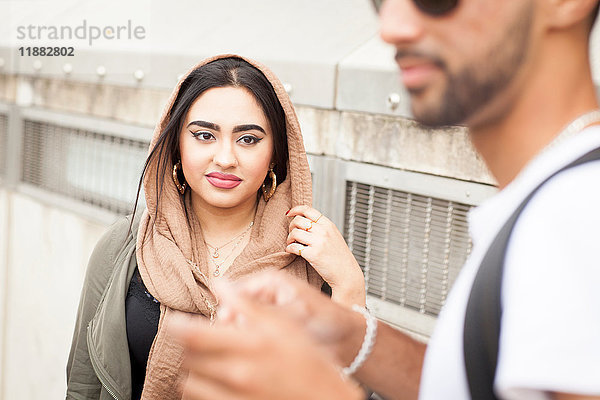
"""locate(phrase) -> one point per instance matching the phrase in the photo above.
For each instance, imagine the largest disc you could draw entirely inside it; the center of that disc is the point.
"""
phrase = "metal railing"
(407, 230)
(99, 169)
(410, 247)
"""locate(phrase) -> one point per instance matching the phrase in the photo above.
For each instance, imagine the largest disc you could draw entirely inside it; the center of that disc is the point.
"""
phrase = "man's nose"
(400, 22)
(225, 156)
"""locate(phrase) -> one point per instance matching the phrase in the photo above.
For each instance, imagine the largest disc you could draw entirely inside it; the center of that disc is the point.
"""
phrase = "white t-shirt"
(550, 335)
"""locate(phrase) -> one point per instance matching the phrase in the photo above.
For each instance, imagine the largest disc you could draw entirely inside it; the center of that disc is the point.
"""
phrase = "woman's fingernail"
(288, 211)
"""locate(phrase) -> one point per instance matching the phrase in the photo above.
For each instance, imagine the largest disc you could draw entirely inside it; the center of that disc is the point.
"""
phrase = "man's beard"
(481, 81)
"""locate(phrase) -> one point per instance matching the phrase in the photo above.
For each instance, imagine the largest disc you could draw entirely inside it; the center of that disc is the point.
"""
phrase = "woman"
(226, 167)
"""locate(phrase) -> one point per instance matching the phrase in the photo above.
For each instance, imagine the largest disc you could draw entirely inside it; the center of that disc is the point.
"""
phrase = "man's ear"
(561, 14)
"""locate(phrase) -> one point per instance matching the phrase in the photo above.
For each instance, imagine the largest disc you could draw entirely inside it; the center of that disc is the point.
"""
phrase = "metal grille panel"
(410, 247)
(99, 169)
(3, 143)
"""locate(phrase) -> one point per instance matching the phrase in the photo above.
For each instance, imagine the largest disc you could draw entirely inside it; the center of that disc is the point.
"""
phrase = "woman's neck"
(219, 225)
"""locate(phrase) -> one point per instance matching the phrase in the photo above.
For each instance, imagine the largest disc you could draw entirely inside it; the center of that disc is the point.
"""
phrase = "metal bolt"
(67, 68)
(37, 65)
(468, 194)
(101, 71)
(393, 101)
(138, 75)
(288, 88)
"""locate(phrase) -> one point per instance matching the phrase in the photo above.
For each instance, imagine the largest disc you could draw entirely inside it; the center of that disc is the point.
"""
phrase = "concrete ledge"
(393, 142)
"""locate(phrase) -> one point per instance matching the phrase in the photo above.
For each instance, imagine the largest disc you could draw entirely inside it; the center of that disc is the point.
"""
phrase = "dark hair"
(595, 15)
(224, 72)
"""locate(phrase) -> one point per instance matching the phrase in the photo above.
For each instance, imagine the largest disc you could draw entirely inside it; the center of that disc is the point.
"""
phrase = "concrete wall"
(44, 251)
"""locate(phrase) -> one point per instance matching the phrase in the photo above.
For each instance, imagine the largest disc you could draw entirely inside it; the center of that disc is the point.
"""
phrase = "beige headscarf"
(164, 245)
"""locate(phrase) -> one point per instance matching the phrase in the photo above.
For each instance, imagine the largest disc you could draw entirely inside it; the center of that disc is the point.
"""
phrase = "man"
(516, 72)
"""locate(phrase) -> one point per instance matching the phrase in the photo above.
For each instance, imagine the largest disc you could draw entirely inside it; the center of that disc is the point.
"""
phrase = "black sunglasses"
(429, 7)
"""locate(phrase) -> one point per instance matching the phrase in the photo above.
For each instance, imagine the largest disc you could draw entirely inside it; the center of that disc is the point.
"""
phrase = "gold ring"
(310, 227)
(317, 220)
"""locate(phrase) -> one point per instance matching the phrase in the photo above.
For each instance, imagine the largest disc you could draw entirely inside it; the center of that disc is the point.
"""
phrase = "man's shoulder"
(568, 193)
(561, 221)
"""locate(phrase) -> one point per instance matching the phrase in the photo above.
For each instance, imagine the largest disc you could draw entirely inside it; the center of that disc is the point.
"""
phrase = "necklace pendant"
(215, 254)
(217, 272)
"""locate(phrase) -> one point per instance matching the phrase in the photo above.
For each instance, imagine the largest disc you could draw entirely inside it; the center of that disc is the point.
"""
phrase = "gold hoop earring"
(269, 194)
(180, 187)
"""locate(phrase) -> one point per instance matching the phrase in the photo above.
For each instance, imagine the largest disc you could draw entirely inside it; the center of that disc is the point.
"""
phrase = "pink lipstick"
(223, 181)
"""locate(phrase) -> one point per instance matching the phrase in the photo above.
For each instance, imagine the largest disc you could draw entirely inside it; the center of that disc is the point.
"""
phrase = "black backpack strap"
(484, 312)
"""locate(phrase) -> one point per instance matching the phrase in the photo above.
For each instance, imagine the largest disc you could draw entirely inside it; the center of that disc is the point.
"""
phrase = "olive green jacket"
(99, 365)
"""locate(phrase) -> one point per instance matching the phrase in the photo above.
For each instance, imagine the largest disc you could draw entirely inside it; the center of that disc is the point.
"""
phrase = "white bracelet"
(368, 341)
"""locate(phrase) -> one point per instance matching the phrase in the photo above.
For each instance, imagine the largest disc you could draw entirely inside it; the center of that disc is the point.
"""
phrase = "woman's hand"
(315, 238)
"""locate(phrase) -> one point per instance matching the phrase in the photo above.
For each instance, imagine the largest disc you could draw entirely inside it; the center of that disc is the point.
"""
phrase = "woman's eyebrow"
(248, 127)
(205, 124)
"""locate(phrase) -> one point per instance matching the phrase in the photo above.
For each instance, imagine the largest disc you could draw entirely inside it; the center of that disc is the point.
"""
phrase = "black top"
(142, 312)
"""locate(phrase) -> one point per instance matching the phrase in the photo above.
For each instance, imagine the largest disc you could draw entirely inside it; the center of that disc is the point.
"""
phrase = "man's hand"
(393, 369)
(566, 396)
(338, 330)
(276, 337)
(257, 352)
